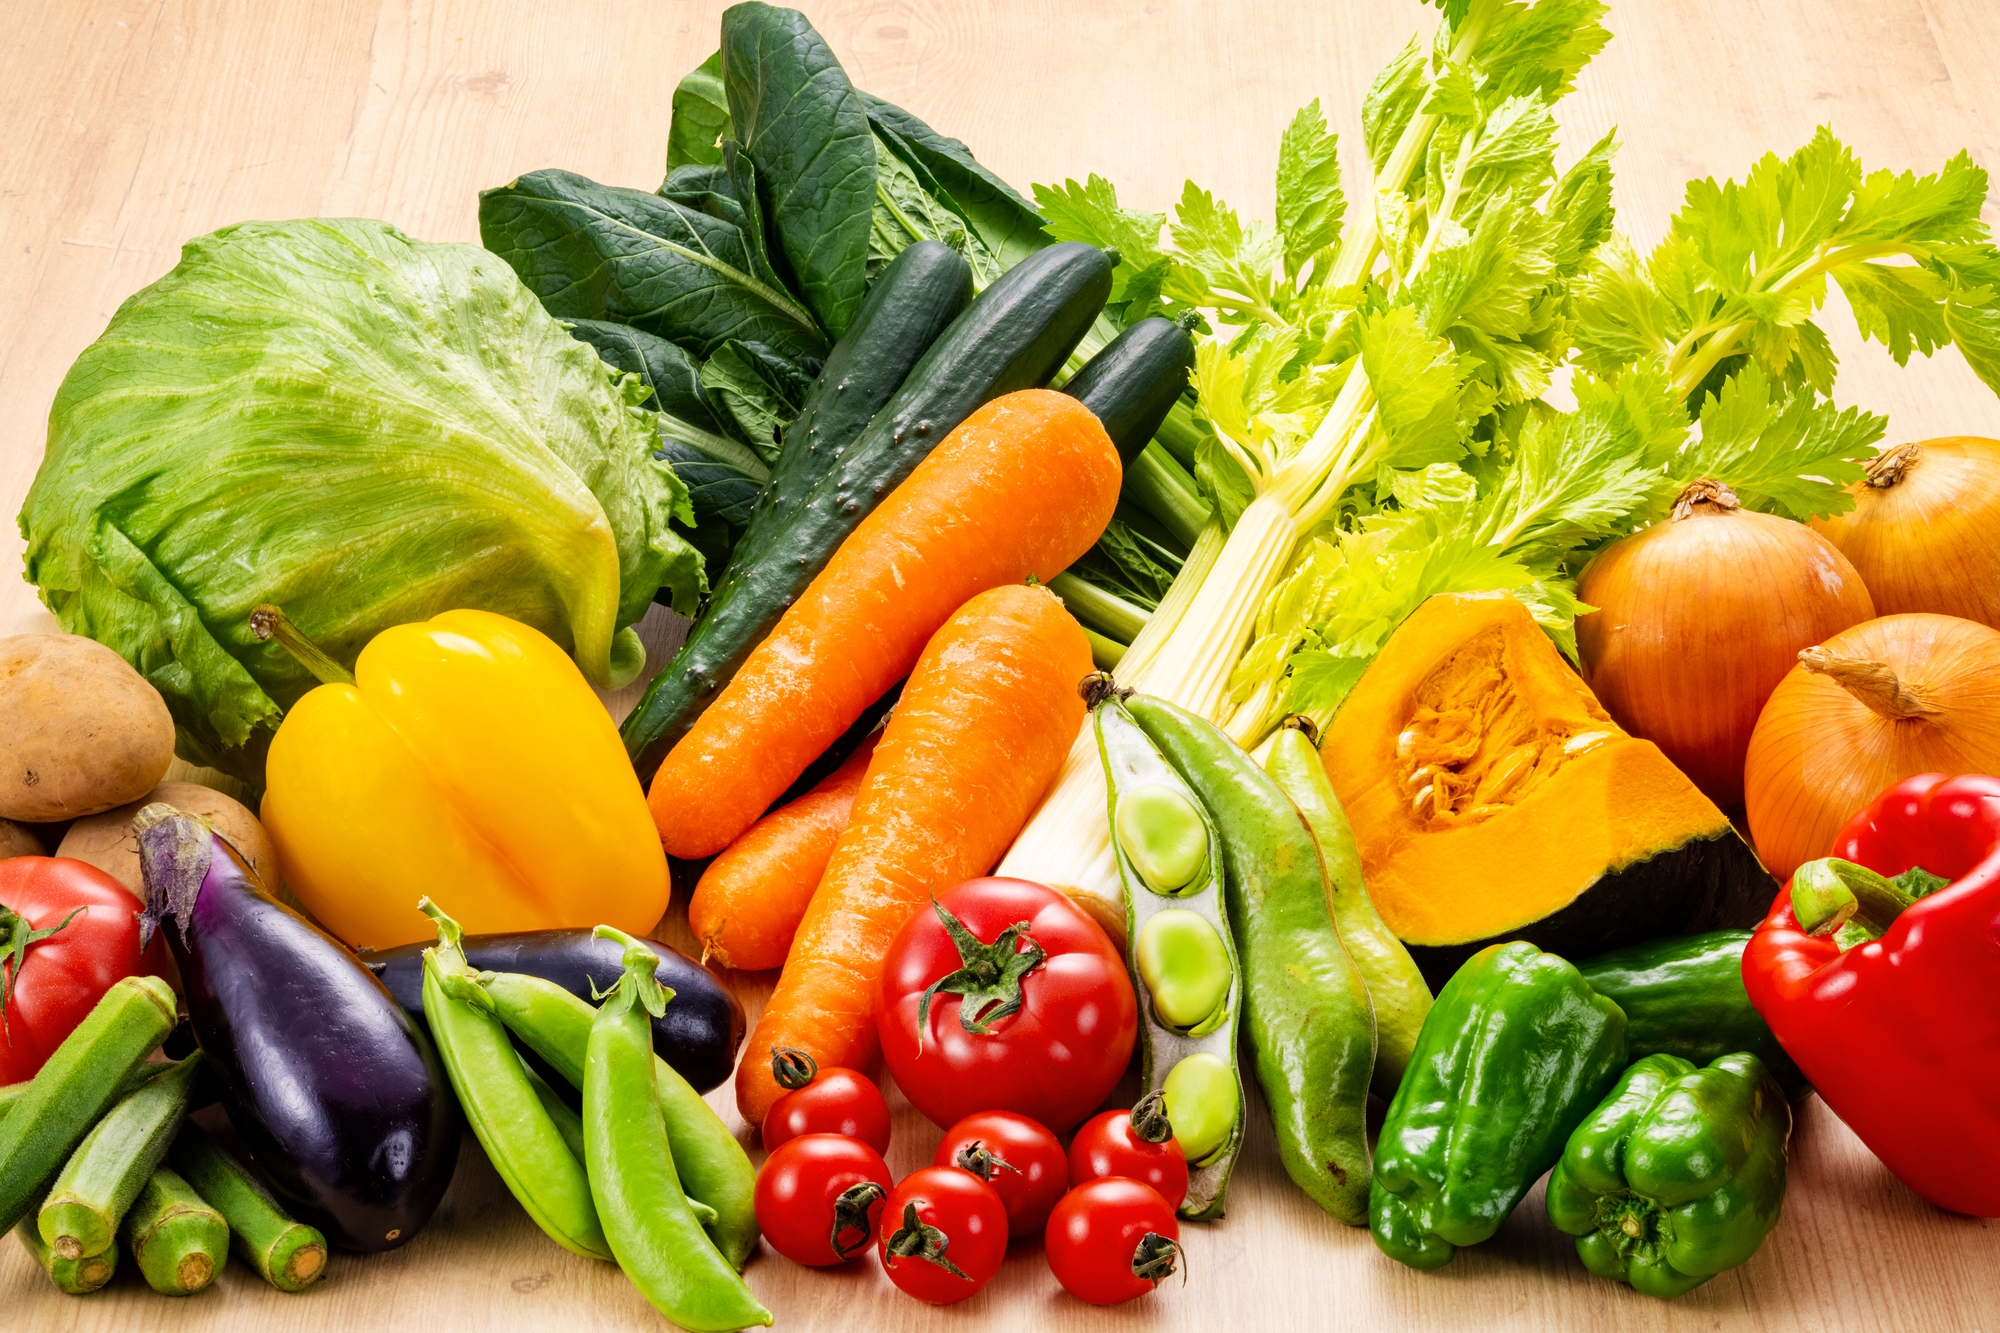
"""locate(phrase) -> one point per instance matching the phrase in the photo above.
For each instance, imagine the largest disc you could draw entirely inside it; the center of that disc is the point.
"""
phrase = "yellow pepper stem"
(269, 622)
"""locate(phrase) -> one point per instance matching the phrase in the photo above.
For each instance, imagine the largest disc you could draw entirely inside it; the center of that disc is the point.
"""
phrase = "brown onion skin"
(1819, 755)
(1930, 539)
(1698, 620)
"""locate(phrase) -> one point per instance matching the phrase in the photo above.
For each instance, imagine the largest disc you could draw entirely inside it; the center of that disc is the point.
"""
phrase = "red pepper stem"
(268, 622)
(1829, 892)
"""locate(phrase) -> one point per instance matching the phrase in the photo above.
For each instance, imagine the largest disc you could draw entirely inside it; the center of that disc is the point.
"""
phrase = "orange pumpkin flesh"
(1493, 799)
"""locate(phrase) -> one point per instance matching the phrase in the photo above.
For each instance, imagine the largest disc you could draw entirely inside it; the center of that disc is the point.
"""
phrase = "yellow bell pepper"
(466, 760)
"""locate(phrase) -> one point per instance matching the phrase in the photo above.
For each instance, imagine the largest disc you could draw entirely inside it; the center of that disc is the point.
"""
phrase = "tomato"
(943, 1234)
(1137, 1144)
(824, 1101)
(1112, 1239)
(1005, 997)
(1023, 1162)
(67, 932)
(819, 1198)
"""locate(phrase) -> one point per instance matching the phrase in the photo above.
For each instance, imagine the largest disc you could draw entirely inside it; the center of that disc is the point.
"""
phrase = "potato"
(107, 841)
(19, 840)
(80, 730)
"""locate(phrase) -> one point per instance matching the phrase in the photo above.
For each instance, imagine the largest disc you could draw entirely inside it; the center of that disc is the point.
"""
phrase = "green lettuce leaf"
(363, 428)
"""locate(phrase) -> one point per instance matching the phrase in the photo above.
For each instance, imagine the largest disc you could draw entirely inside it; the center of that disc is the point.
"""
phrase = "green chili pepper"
(714, 1170)
(289, 1255)
(78, 1277)
(1312, 1027)
(1395, 987)
(655, 1237)
(104, 1175)
(1678, 1175)
(511, 1122)
(1515, 1053)
(76, 1087)
(1188, 998)
(179, 1242)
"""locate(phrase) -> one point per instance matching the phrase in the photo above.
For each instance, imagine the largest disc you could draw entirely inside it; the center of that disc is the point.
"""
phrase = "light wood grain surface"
(133, 125)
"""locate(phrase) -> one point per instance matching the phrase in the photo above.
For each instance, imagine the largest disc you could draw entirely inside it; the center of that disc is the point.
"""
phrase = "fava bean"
(1163, 835)
(1186, 969)
(1203, 1104)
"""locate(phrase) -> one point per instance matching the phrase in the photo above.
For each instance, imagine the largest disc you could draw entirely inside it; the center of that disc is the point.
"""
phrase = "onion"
(1925, 529)
(1881, 702)
(1698, 619)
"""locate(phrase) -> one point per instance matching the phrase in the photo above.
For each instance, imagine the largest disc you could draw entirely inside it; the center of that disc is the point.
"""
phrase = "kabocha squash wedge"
(1494, 799)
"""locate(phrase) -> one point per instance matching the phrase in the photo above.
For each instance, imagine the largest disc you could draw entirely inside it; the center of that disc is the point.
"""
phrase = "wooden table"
(133, 125)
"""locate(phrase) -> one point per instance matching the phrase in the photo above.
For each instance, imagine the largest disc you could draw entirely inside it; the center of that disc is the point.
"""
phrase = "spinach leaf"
(804, 128)
(1008, 225)
(910, 206)
(593, 251)
(762, 391)
(701, 117)
(1127, 562)
(696, 435)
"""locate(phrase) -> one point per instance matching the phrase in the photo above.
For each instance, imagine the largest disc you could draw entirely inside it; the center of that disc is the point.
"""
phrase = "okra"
(104, 1175)
(714, 1170)
(1183, 961)
(78, 1277)
(511, 1122)
(76, 1087)
(15, 1093)
(289, 1255)
(179, 1242)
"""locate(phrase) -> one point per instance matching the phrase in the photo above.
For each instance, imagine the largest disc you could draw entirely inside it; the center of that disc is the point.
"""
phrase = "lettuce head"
(362, 428)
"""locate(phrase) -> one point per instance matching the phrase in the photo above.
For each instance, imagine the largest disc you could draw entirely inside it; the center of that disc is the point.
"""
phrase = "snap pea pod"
(1311, 1027)
(104, 1175)
(654, 1235)
(511, 1122)
(78, 1277)
(714, 1170)
(289, 1255)
(1183, 963)
(76, 1087)
(179, 1242)
(1396, 988)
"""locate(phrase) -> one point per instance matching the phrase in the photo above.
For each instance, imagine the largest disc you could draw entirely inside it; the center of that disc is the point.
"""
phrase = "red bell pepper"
(1901, 1034)
(67, 932)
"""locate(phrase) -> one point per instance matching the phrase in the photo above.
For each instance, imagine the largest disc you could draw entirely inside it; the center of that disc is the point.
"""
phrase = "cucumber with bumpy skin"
(1016, 335)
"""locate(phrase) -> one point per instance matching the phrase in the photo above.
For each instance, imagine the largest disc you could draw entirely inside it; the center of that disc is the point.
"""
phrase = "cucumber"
(1016, 335)
(113, 1163)
(1133, 383)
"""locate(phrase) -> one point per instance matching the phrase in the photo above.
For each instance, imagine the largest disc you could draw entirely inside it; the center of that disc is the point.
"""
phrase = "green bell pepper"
(1513, 1055)
(1678, 1176)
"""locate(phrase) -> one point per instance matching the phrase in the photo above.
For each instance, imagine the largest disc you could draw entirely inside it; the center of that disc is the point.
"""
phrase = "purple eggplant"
(339, 1099)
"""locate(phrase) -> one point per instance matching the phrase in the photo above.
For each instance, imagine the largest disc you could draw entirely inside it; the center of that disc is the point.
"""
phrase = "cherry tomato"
(1005, 997)
(943, 1234)
(1112, 1239)
(1023, 1163)
(819, 1198)
(824, 1101)
(1137, 1144)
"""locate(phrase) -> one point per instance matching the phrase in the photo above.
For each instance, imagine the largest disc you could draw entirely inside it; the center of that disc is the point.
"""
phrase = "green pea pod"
(179, 1242)
(289, 1255)
(104, 1175)
(713, 1167)
(1183, 962)
(1515, 1053)
(1311, 1026)
(76, 1087)
(1395, 986)
(78, 1277)
(1678, 1175)
(654, 1235)
(510, 1120)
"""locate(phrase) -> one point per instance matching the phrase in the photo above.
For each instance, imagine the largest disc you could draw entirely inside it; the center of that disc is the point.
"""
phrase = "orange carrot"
(1023, 486)
(984, 722)
(749, 902)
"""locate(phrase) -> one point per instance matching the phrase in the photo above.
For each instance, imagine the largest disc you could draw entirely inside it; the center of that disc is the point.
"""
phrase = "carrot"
(983, 725)
(1023, 486)
(749, 902)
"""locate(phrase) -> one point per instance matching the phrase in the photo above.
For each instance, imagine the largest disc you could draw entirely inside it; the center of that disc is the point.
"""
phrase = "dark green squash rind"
(1707, 883)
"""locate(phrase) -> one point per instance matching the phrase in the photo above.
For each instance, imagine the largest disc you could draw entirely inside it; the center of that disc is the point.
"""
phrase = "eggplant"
(698, 1034)
(339, 1099)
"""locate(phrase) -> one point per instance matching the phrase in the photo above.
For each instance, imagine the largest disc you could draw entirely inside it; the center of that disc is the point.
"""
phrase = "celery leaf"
(1310, 203)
